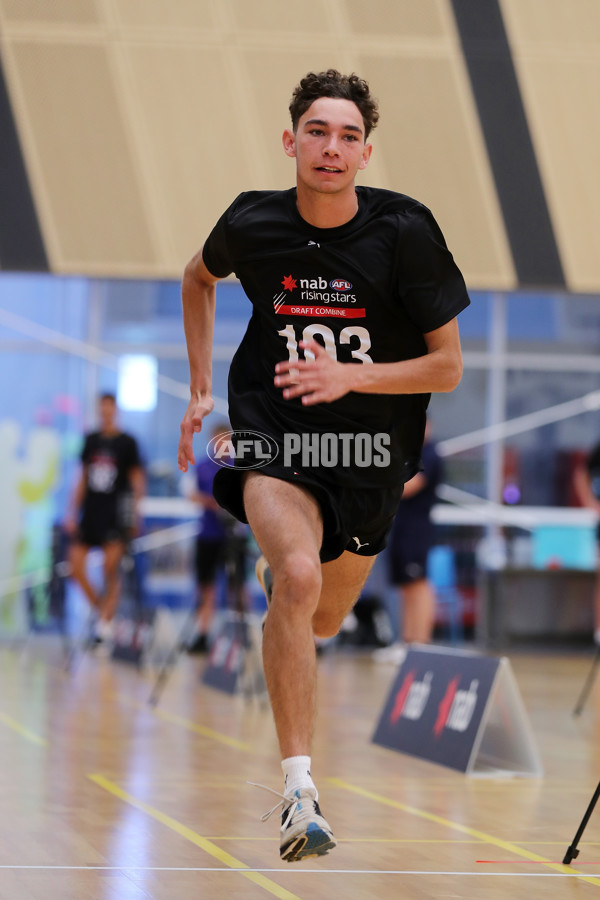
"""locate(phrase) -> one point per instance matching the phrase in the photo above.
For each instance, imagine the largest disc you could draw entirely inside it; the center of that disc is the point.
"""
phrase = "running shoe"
(199, 644)
(394, 654)
(304, 831)
(104, 637)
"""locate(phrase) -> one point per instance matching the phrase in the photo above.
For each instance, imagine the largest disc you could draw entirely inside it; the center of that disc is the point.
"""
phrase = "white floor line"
(299, 871)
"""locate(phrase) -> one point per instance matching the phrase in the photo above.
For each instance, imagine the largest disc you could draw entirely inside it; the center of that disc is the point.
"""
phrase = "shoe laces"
(284, 803)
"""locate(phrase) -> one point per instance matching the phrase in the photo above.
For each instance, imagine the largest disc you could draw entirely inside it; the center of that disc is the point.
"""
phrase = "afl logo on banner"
(340, 284)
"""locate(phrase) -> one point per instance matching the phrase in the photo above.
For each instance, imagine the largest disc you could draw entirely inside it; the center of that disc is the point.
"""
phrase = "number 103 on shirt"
(355, 335)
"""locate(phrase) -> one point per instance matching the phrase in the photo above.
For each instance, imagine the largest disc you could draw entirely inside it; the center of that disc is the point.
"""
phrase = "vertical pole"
(496, 406)
(94, 333)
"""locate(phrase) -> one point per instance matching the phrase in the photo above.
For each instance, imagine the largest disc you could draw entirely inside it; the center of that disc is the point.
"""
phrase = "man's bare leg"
(343, 580)
(206, 607)
(286, 522)
(113, 553)
(597, 611)
(307, 599)
(419, 611)
(77, 557)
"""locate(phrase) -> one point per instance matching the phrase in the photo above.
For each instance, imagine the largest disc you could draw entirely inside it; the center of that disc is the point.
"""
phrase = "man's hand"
(318, 380)
(199, 406)
(70, 525)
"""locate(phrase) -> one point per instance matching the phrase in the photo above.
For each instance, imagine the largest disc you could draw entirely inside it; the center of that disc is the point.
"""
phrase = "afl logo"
(243, 449)
(340, 284)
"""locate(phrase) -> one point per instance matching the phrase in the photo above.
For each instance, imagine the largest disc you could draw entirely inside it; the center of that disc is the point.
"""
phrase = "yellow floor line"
(221, 855)
(190, 726)
(559, 843)
(22, 731)
(472, 832)
(205, 732)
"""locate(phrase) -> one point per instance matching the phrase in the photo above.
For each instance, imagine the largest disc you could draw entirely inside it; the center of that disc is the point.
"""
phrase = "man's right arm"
(76, 502)
(198, 295)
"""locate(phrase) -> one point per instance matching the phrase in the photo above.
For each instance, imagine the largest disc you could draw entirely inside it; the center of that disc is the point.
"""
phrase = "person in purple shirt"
(211, 543)
(411, 539)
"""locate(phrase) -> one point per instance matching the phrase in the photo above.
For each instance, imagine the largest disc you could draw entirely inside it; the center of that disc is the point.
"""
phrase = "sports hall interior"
(126, 128)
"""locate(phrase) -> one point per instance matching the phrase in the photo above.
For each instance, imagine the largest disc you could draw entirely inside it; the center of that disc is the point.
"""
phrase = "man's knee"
(77, 558)
(112, 571)
(112, 561)
(297, 581)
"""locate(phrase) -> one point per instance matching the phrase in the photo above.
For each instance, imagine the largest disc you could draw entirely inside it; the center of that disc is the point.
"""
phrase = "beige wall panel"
(558, 22)
(401, 18)
(199, 14)
(563, 111)
(195, 136)
(292, 17)
(92, 216)
(560, 82)
(434, 152)
(50, 12)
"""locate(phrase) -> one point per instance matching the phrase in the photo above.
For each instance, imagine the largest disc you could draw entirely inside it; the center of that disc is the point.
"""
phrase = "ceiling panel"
(75, 133)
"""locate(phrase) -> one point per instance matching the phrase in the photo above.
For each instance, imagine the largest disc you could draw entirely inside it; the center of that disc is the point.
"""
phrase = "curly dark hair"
(333, 84)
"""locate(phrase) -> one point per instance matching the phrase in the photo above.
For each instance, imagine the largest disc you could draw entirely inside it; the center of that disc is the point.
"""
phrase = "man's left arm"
(136, 475)
(137, 482)
(322, 379)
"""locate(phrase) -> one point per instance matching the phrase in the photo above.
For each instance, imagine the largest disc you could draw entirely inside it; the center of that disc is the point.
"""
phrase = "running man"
(105, 510)
(354, 302)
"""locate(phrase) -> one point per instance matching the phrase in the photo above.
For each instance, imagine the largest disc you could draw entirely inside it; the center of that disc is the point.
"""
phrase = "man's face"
(108, 412)
(328, 145)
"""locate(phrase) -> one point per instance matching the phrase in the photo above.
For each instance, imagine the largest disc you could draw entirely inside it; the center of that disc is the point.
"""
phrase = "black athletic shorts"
(210, 554)
(96, 531)
(105, 519)
(408, 549)
(355, 519)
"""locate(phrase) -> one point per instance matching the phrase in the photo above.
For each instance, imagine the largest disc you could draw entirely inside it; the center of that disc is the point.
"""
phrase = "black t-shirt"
(108, 460)
(367, 290)
(593, 467)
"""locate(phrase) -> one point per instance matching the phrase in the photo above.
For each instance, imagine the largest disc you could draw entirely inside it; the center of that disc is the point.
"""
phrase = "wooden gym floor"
(103, 797)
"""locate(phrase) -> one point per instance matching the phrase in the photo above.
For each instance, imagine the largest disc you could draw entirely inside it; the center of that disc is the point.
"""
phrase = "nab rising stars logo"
(314, 292)
(289, 284)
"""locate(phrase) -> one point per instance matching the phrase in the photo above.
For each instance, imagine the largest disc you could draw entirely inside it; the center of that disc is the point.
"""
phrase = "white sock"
(296, 772)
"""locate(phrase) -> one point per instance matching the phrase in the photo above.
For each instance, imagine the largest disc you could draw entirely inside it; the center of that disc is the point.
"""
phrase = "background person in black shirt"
(410, 541)
(587, 486)
(354, 302)
(105, 509)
